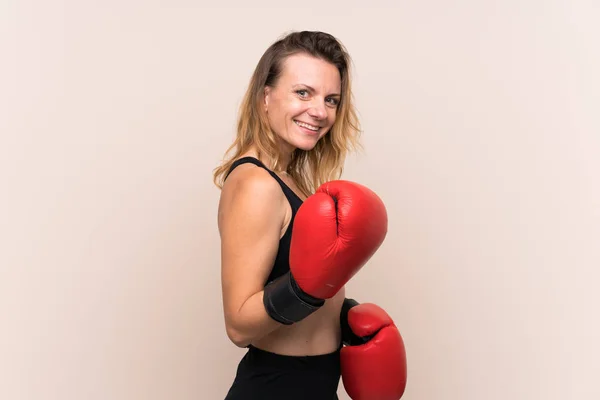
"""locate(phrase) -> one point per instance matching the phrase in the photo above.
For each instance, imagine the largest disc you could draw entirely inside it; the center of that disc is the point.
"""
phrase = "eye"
(302, 92)
(333, 101)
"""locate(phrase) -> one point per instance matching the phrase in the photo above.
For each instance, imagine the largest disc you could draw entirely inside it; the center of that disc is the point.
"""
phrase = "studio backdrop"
(481, 133)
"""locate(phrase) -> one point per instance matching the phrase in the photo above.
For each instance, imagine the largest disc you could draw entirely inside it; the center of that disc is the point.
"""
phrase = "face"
(302, 106)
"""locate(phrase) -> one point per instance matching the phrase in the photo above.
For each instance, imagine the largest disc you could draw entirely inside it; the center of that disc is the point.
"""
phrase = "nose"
(317, 111)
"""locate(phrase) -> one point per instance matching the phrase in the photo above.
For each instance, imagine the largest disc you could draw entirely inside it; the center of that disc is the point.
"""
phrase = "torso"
(317, 334)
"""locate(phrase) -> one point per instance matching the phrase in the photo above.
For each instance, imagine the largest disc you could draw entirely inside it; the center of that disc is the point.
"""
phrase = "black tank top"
(282, 260)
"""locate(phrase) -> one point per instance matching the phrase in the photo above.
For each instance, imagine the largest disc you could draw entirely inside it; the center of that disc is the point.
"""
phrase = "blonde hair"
(325, 161)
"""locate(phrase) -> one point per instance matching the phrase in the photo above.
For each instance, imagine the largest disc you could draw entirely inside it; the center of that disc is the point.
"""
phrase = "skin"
(254, 214)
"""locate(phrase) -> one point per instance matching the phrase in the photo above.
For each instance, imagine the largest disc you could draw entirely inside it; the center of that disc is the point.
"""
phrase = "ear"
(266, 94)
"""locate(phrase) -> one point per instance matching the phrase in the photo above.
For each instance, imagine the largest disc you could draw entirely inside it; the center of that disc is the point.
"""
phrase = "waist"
(318, 334)
(302, 340)
(283, 361)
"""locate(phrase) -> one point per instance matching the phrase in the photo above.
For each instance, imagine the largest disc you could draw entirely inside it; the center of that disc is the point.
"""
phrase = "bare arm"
(251, 215)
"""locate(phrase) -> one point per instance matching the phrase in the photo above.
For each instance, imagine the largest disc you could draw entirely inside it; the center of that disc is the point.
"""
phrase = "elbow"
(237, 337)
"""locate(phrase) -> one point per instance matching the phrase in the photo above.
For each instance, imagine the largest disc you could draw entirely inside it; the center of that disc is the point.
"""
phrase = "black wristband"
(286, 303)
(349, 338)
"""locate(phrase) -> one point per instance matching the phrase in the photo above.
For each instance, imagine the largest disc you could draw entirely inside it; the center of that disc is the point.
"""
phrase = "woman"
(297, 123)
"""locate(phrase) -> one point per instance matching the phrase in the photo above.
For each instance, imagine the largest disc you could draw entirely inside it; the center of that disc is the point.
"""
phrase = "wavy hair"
(325, 161)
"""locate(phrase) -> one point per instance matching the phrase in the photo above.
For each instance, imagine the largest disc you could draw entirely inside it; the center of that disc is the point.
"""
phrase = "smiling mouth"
(307, 126)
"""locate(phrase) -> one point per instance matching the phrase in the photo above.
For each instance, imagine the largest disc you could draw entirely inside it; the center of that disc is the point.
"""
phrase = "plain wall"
(481, 134)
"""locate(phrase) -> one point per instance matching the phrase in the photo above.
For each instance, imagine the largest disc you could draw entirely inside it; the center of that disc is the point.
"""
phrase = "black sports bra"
(282, 263)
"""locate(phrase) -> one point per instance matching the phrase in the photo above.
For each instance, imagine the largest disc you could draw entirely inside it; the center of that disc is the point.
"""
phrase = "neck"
(284, 162)
(285, 156)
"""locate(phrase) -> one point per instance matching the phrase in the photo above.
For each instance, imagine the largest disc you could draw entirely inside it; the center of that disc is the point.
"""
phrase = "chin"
(306, 145)
(306, 148)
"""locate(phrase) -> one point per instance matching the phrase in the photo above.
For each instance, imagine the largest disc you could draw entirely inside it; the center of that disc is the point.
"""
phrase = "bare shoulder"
(250, 189)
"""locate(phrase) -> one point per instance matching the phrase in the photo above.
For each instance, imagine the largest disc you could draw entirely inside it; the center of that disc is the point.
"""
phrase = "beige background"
(482, 135)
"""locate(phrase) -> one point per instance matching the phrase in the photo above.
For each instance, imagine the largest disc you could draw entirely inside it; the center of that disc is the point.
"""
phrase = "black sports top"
(282, 260)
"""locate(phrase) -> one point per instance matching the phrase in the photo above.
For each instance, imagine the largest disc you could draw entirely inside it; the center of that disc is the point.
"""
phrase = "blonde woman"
(281, 215)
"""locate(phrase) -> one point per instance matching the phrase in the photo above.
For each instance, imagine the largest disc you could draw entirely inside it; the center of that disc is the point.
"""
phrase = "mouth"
(308, 127)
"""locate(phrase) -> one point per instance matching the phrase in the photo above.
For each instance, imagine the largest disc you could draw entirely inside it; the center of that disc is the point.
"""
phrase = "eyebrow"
(313, 90)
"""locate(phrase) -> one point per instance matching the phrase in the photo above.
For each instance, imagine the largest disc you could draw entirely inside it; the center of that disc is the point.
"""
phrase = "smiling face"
(302, 106)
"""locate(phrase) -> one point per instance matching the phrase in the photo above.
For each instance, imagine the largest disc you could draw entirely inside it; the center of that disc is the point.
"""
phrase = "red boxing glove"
(374, 363)
(336, 231)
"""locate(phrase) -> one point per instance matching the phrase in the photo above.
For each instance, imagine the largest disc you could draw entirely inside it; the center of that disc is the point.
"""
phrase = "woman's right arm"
(251, 215)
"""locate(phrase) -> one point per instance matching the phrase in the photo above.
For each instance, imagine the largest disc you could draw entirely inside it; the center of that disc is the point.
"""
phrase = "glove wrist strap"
(349, 338)
(286, 303)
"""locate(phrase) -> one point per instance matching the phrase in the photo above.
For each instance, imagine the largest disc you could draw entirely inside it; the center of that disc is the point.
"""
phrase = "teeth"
(312, 128)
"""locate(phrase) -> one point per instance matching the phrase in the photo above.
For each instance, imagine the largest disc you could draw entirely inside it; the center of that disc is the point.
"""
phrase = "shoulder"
(251, 188)
(251, 181)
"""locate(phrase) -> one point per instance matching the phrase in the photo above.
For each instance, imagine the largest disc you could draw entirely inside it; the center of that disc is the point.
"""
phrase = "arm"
(251, 215)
